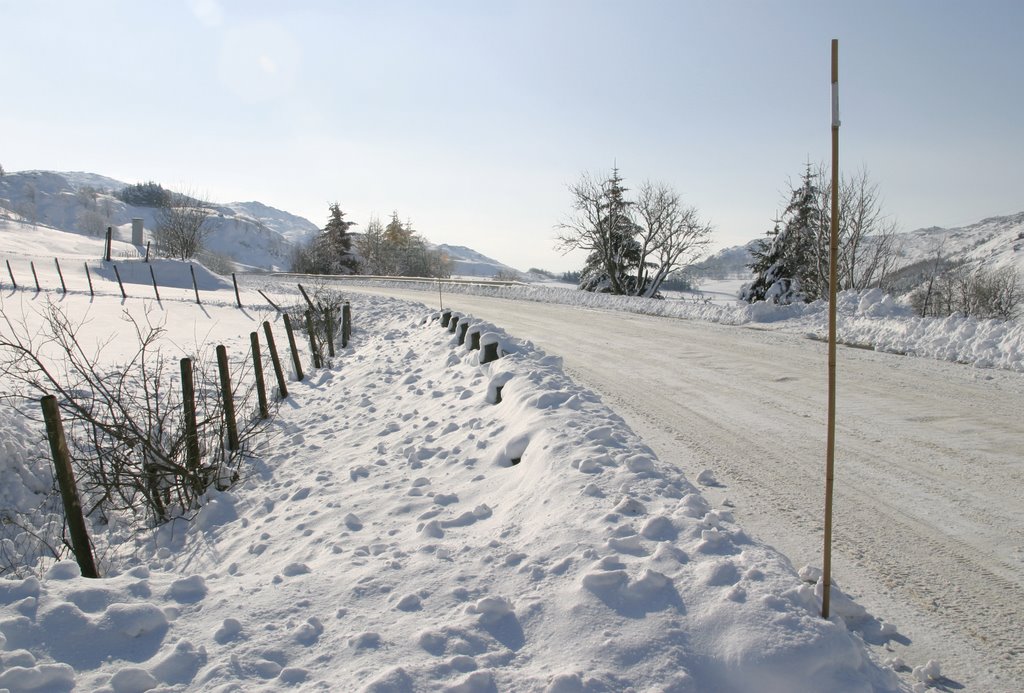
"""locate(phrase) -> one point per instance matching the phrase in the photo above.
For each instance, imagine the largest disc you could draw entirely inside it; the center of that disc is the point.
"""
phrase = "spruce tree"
(337, 243)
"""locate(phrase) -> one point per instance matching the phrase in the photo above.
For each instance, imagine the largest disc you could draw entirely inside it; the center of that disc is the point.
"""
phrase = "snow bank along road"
(929, 509)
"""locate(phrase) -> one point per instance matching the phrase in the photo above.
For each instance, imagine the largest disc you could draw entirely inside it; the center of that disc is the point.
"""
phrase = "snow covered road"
(929, 511)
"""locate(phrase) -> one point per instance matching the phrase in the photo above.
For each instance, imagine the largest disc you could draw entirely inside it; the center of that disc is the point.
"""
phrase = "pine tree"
(785, 266)
(337, 243)
(609, 266)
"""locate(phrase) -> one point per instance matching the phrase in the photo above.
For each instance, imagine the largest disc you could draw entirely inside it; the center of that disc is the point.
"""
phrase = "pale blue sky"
(471, 117)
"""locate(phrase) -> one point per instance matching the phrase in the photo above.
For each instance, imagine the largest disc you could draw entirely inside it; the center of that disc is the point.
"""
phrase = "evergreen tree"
(612, 265)
(337, 243)
(785, 265)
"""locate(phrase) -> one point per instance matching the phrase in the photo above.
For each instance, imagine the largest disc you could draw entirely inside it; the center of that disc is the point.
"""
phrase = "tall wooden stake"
(229, 401)
(68, 490)
(188, 399)
(295, 350)
(275, 359)
(257, 371)
(11, 272)
(34, 275)
(238, 298)
(119, 282)
(110, 235)
(89, 277)
(830, 451)
(63, 286)
(155, 289)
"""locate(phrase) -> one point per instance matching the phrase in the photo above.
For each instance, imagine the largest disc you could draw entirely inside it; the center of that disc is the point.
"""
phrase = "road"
(929, 505)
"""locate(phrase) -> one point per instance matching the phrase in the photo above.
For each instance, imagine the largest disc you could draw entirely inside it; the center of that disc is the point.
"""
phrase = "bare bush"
(980, 293)
(124, 423)
(181, 228)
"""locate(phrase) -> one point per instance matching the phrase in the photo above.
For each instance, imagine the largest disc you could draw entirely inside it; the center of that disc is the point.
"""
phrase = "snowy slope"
(252, 234)
(994, 242)
(467, 262)
(401, 529)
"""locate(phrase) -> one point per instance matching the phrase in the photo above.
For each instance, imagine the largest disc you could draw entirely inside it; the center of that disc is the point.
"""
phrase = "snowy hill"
(250, 233)
(467, 262)
(994, 242)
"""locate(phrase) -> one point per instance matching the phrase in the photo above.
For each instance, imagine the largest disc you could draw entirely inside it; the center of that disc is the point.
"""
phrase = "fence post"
(195, 287)
(68, 489)
(63, 286)
(147, 251)
(278, 371)
(229, 402)
(119, 283)
(295, 350)
(153, 275)
(317, 361)
(346, 324)
(257, 371)
(306, 296)
(32, 264)
(329, 331)
(238, 298)
(110, 234)
(11, 272)
(188, 399)
(274, 305)
(89, 277)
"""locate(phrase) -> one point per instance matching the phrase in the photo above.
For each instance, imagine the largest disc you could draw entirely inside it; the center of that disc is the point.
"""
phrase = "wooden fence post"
(188, 399)
(68, 489)
(238, 298)
(295, 350)
(257, 370)
(119, 283)
(32, 264)
(147, 251)
(89, 277)
(346, 324)
(317, 361)
(329, 331)
(195, 287)
(110, 235)
(275, 359)
(306, 296)
(229, 402)
(63, 286)
(153, 275)
(11, 272)
(274, 305)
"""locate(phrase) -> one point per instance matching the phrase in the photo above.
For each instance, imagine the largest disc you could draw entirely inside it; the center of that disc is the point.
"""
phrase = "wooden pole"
(147, 251)
(63, 286)
(329, 331)
(275, 359)
(440, 296)
(238, 298)
(32, 264)
(195, 287)
(110, 235)
(229, 402)
(833, 278)
(119, 282)
(11, 272)
(346, 324)
(317, 361)
(155, 289)
(306, 296)
(295, 350)
(257, 370)
(273, 305)
(68, 489)
(188, 399)
(89, 277)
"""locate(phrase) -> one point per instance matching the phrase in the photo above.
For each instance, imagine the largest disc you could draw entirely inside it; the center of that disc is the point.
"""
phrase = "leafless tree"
(671, 234)
(181, 228)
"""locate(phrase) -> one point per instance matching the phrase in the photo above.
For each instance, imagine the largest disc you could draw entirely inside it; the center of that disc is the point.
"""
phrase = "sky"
(472, 118)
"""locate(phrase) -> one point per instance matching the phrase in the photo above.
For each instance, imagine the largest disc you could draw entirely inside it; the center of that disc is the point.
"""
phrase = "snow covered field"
(401, 529)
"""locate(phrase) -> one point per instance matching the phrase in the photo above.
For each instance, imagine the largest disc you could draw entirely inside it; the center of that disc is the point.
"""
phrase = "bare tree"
(671, 235)
(181, 228)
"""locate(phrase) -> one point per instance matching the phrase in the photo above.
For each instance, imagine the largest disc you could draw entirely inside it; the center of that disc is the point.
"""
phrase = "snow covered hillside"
(467, 262)
(252, 234)
(413, 520)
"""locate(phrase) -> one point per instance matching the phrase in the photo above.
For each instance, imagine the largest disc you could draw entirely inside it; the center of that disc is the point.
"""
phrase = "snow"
(399, 528)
